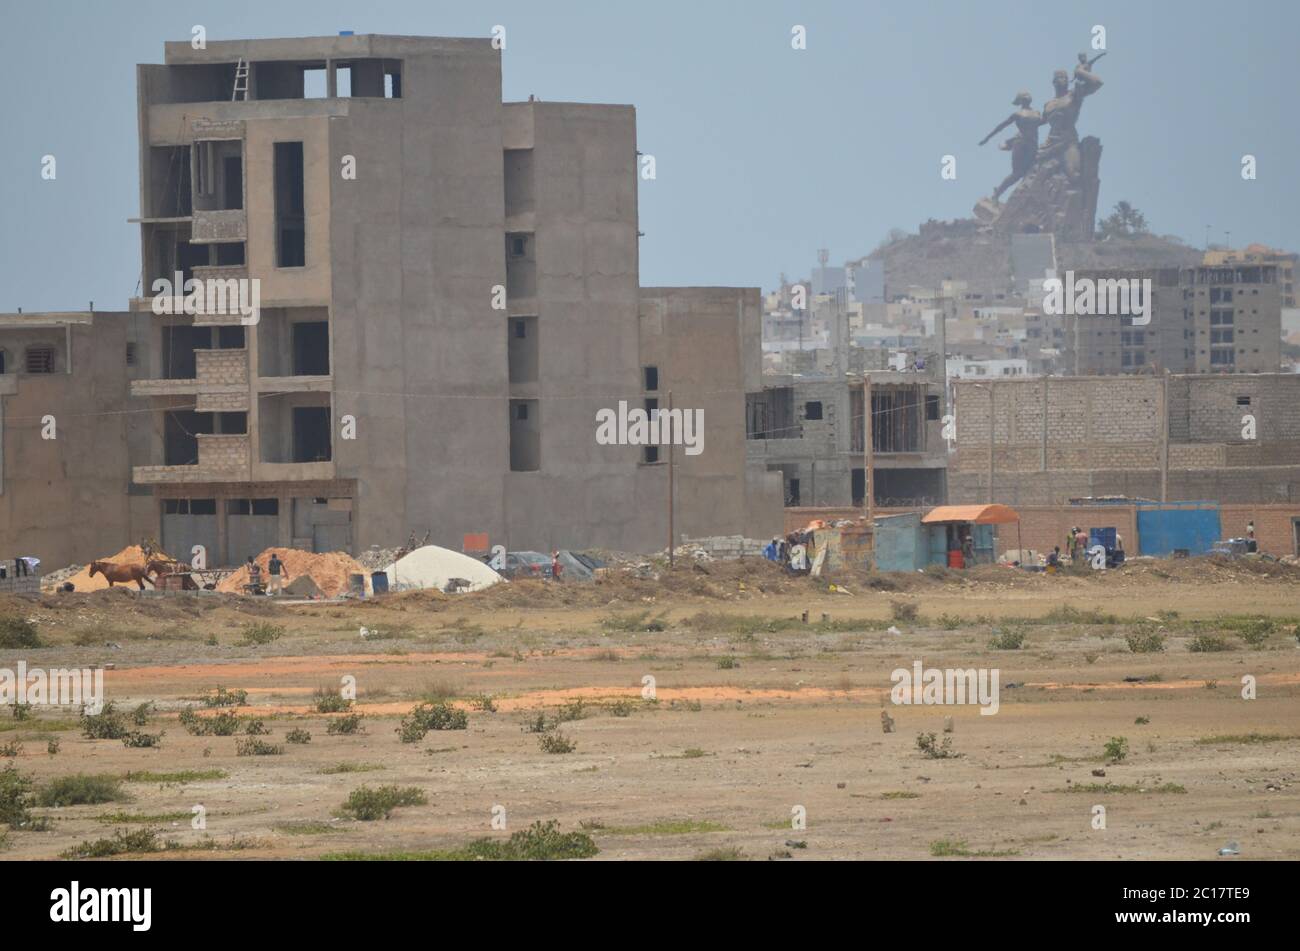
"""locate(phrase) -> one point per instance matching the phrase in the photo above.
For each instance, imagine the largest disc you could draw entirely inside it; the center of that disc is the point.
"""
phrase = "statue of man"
(1062, 113)
(1023, 146)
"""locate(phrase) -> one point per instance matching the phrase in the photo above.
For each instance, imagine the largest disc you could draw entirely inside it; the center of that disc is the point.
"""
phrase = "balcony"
(221, 459)
(219, 225)
(219, 373)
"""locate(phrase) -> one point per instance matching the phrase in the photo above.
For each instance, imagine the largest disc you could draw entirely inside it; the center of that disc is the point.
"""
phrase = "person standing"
(556, 568)
(254, 575)
(276, 570)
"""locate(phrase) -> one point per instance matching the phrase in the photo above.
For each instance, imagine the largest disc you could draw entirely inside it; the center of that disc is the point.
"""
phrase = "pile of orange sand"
(130, 555)
(329, 570)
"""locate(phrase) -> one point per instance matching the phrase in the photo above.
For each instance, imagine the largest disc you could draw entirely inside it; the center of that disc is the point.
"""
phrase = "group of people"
(791, 552)
(275, 571)
(1076, 543)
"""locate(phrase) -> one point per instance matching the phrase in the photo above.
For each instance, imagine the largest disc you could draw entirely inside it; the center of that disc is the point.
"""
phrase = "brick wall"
(24, 584)
(1274, 525)
(222, 367)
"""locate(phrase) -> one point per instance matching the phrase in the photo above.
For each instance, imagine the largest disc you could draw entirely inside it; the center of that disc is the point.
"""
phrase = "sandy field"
(763, 739)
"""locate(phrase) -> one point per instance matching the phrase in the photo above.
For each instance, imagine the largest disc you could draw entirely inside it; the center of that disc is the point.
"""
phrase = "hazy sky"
(764, 153)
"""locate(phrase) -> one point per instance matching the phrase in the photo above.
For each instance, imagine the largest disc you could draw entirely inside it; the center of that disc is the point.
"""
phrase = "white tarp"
(434, 567)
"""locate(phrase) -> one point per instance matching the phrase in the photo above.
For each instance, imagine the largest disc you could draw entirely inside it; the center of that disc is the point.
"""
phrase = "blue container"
(1105, 537)
(379, 582)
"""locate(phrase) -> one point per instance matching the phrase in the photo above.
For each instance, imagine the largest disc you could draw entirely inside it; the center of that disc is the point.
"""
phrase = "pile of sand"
(130, 555)
(328, 570)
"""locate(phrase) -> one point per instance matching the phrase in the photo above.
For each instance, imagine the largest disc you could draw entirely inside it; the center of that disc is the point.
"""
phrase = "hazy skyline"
(764, 153)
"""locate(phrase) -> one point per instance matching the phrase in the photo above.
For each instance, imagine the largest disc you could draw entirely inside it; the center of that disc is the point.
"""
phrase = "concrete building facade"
(1205, 319)
(811, 430)
(449, 293)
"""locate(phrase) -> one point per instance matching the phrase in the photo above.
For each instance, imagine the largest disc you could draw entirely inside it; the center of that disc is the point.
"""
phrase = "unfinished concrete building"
(811, 431)
(1205, 319)
(1227, 439)
(449, 293)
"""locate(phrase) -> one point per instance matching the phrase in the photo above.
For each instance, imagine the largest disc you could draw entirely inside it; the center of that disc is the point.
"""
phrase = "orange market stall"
(960, 536)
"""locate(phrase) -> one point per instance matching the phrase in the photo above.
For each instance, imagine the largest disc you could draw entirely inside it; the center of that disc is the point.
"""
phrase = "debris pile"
(328, 571)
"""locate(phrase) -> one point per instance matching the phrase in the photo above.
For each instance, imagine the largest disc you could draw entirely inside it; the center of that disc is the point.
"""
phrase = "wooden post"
(1164, 438)
(671, 532)
(992, 428)
(868, 455)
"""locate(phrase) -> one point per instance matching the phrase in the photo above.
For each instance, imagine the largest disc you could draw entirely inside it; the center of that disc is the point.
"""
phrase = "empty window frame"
(651, 375)
(311, 348)
(311, 434)
(812, 409)
(290, 216)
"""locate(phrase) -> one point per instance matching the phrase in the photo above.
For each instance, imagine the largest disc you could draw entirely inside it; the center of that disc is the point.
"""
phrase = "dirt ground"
(757, 716)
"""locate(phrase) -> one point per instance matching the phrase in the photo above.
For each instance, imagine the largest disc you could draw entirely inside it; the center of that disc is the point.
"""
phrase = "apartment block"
(1224, 318)
(449, 294)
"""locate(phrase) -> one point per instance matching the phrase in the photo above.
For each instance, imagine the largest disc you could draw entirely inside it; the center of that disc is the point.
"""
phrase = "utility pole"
(671, 532)
(868, 453)
(1164, 438)
(992, 428)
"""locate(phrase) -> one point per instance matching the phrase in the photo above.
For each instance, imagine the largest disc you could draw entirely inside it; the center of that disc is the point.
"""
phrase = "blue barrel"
(379, 582)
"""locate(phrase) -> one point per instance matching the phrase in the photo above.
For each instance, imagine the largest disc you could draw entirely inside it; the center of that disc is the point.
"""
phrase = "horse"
(124, 573)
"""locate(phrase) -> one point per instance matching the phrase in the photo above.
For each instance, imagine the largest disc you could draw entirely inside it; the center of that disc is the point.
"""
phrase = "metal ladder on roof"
(241, 81)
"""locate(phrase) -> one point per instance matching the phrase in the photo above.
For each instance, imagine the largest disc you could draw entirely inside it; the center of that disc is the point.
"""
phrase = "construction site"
(347, 568)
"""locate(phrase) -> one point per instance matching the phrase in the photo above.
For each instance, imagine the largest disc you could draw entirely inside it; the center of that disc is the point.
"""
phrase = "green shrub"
(17, 632)
(140, 715)
(539, 842)
(431, 716)
(261, 634)
(1012, 639)
(537, 724)
(297, 736)
(369, 804)
(1255, 632)
(226, 698)
(573, 710)
(255, 747)
(1145, 640)
(1208, 644)
(331, 701)
(108, 724)
(485, 704)
(347, 725)
(1116, 749)
(728, 663)
(122, 843)
(15, 798)
(635, 622)
(11, 749)
(21, 711)
(224, 723)
(556, 743)
(81, 789)
(141, 740)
